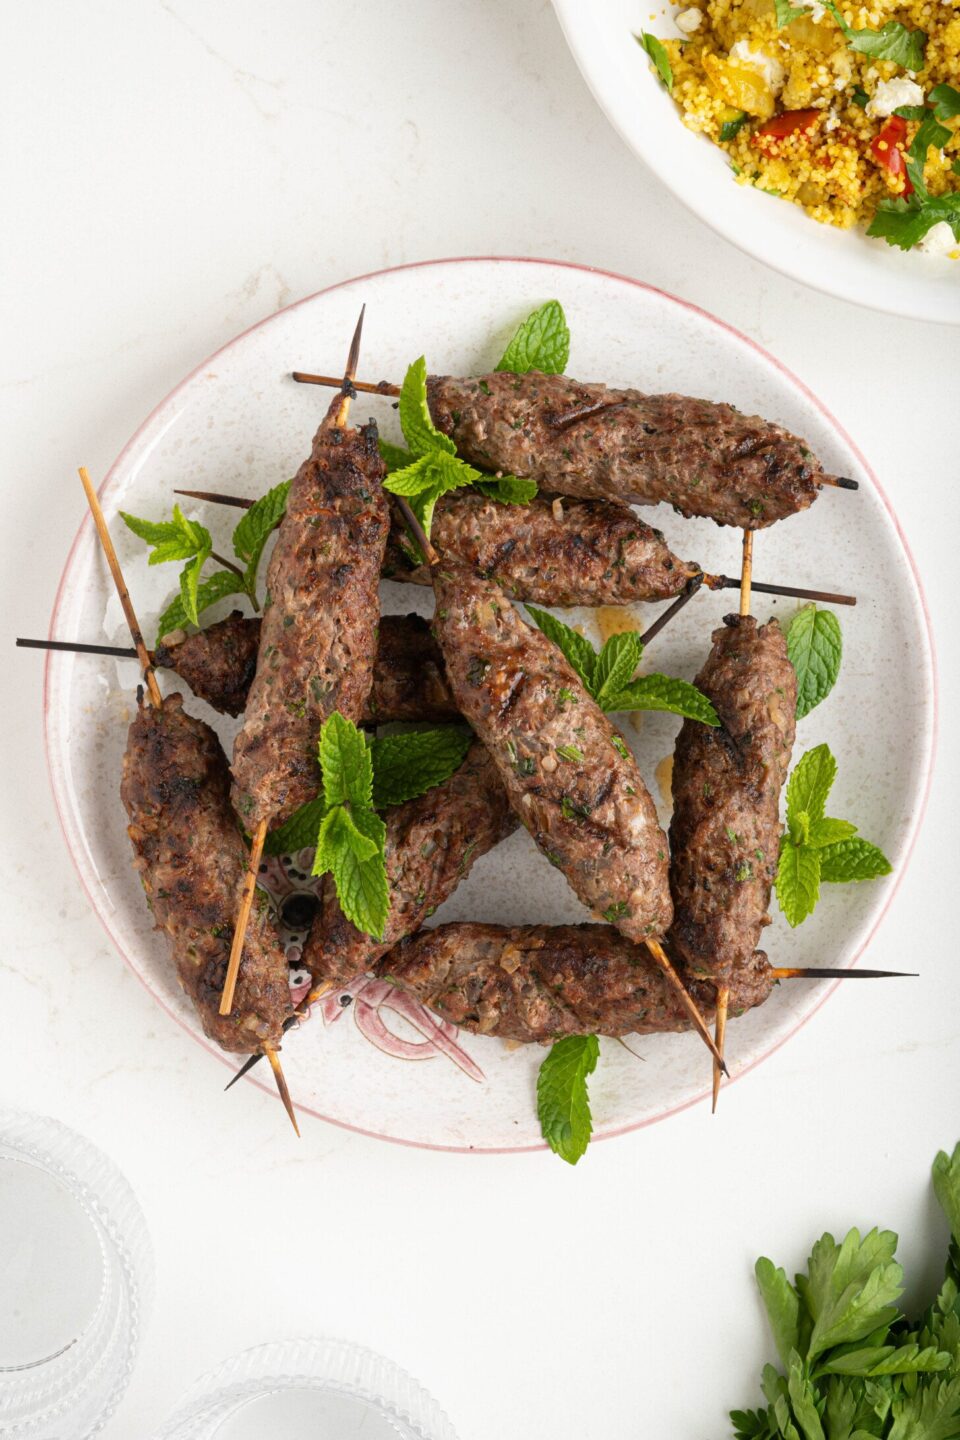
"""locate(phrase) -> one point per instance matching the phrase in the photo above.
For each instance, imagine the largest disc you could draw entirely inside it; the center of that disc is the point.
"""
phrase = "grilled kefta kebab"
(536, 983)
(552, 551)
(318, 634)
(725, 830)
(596, 441)
(191, 859)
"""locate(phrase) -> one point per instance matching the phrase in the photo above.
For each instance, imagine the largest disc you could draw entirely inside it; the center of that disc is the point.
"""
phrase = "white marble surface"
(171, 173)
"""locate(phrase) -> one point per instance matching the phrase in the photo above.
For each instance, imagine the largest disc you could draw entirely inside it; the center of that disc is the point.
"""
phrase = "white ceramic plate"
(841, 262)
(239, 424)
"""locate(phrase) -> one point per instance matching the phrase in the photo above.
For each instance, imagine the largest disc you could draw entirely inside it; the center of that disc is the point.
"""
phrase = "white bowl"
(840, 262)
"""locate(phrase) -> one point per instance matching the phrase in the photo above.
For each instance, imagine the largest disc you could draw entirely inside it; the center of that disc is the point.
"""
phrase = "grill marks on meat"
(432, 843)
(191, 859)
(318, 634)
(588, 440)
(725, 831)
(409, 682)
(583, 552)
(566, 772)
(540, 982)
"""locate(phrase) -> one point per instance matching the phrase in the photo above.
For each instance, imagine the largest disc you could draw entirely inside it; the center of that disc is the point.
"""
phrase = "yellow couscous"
(848, 111)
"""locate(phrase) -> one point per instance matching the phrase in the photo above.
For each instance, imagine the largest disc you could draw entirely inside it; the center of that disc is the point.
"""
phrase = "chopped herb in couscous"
(851, 111)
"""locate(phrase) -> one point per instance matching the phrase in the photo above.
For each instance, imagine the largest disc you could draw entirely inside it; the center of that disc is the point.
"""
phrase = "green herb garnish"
(608, 676)
(658, 54)
(542, 343)
(815, 847)
(894, 42)
(563, 1103)
(786, 13)
(815, 648)
(852, 1366)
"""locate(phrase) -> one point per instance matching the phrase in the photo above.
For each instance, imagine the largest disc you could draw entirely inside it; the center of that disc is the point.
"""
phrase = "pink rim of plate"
(94, 891)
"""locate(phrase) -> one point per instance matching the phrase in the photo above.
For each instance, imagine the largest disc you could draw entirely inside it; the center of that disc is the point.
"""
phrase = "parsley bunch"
(608, 676)
(182, 539)
(361, 777)
(815, 847)
(852, 1365)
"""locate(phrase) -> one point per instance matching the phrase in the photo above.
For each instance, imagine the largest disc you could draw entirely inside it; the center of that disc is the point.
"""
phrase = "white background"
(171, 173)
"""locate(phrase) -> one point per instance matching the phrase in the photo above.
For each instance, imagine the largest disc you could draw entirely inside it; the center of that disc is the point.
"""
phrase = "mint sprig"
(255, 528)
(607, 674)
(815, 648)
(541, 343)
(852, 1365)
(816, 848)
(563, 1103)
(176, 539)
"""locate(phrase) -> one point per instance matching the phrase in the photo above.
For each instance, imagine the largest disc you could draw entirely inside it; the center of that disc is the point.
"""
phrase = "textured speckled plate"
(840, 262)
(239, 424)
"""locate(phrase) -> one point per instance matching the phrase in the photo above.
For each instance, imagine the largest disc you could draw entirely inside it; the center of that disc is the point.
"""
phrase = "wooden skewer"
(824, 972)
(260, 834)
(153, 690)
(385, 387)
(712, 582)
(315, 994)
(281, 1080)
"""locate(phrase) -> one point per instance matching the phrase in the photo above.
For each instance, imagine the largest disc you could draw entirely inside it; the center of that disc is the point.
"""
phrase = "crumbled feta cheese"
(770, 68)
(817, 11)
(939, 241)
(832, 121)
(689, 20)
(891, 94)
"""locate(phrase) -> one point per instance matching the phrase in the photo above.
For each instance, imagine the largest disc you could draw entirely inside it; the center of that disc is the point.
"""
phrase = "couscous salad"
(852, 112)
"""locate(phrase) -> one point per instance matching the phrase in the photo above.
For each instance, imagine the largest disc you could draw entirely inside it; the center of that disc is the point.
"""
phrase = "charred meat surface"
(567, 772)
(192, 859)
(432, 843)
(408, 676)
(725, 831)
(550, 552)
(318, 634)
(590, 440)
(540, 982)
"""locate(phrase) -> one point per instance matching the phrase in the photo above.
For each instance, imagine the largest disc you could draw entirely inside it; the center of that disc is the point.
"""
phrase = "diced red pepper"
(791, 122)
(887, 149)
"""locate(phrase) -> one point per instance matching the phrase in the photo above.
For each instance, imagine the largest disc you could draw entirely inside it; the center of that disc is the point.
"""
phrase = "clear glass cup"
(76, 1273)
(307, 1390)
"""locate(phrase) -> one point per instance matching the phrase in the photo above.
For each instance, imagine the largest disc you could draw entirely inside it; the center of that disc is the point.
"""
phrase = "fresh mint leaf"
(810, 784)
(541, 343)
(563, 1103)
(256, 527)
(155, 532)
(394, 456)
(176, 539)
(852, 860)
(798, 881)
(353, 850)
(416, 421)
(615, 666)
(408, 764)
(946, 1185)
(786, 12)
(658, 54)
(413, 479)
(508, 489)
(894, 42)
(215, 587)
(905, 223)
(189, 586)
(782, 1306)
(821, 833)
(945, 101)
(575, 648)
(663, 692)
(346, 763)
(299, 831)
(815, 648)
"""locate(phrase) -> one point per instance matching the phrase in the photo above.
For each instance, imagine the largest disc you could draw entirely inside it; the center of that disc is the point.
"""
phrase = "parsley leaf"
(541, 343)
(563, 1103)
(782, 1305)
(851, 1289)
(945, 101)
(815, 648)
(946, 1185)
(256, 527)
(904, 223)
(787, 12)
(606, 676)
(894, 42)
(408, 764)
(658, 54)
